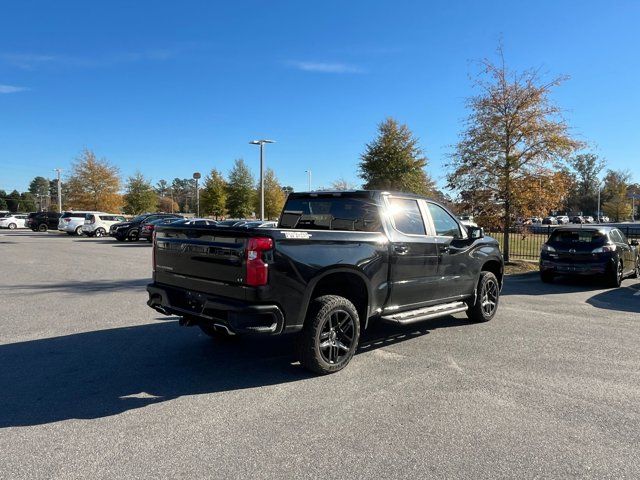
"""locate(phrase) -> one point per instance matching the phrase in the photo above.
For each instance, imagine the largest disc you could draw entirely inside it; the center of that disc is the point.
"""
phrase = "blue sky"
(173, 87)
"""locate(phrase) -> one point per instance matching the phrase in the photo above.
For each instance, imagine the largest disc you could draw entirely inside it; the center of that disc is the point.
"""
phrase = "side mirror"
(633, 243)
(475, 232)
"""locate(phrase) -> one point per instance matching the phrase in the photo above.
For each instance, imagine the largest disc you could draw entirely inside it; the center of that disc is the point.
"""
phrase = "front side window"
(443, 223)
(406, 216)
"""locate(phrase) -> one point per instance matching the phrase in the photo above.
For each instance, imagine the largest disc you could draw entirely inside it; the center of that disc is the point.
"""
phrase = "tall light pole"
(58, 171)
(196, 177)
(308, 172)
(261, 143)
(599, 185)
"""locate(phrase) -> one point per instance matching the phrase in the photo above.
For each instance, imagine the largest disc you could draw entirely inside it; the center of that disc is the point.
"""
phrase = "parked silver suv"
(71, 222)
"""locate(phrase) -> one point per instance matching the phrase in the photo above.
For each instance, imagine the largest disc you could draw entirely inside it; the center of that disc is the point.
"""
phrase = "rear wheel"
(546, 277)
(133, 236)
(615, 275)
(100, 232)
(330, 335)
(12, 226)
(487, 298)
(78, 230)
(42, 227)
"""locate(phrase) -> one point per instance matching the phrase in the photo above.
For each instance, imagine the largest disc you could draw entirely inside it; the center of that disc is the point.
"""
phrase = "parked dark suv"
(130, 230)
(42, 221)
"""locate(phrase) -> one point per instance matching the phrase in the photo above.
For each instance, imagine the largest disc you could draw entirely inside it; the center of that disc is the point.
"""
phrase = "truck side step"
(426, 313)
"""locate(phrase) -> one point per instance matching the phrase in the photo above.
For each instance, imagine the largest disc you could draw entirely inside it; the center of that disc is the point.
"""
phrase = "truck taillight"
(257, 269)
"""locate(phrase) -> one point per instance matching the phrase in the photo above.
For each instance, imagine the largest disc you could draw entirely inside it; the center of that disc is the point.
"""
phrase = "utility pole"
(261, 143)
(197, 176)
(308, 180)
(171, 193)
(57, 170)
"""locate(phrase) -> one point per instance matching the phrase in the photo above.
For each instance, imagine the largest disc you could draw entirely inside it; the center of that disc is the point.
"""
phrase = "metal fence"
(525, 242)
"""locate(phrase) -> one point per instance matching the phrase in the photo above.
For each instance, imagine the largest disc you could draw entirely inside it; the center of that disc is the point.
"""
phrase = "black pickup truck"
(336, 261)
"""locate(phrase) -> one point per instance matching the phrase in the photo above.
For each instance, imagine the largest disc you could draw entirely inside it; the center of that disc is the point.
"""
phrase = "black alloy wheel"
(336, 337)
(486, 300)
(330, 335)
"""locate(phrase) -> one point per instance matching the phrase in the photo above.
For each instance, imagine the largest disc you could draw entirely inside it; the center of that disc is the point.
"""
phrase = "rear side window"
(331, 213)
(406, 216)
(443, 223)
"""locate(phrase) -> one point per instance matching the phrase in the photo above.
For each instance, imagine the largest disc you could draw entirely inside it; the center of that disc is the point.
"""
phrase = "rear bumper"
(562, 268)
(236, 315)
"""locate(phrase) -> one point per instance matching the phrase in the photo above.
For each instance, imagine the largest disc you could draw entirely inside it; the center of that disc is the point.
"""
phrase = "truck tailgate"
(207, 259)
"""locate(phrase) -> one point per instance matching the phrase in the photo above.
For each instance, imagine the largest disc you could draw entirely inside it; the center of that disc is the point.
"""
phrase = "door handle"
(401, 249)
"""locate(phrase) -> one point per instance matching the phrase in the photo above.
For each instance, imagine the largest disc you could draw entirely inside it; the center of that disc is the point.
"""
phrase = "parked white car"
(97, 224)
(72, 222)
(12, 221)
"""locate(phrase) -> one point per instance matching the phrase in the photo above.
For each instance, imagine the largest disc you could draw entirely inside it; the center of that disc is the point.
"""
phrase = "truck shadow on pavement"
(93, 286)
(102, 373)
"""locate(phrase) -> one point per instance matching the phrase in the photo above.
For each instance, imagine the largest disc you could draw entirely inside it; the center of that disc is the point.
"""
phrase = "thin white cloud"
(11, 89)
(31, 61)
(326, 67)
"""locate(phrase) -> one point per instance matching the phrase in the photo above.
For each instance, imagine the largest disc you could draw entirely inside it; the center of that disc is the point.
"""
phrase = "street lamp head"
(261, 142)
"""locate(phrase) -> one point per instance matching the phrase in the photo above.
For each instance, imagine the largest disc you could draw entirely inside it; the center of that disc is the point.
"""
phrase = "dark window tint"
(90, 217)
(406, 216)
(73, 215)
(331, 213)
(443, 223)
(571, 237)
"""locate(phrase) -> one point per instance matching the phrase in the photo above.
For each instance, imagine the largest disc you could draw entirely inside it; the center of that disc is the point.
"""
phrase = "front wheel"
(42, 227)
(133, 236)
(100, 232)
(330, 335)
(78, 231)
(487, 298)
(12, 226)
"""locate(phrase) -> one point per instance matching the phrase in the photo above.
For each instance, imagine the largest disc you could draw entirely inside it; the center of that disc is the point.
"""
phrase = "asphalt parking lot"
(94, 384)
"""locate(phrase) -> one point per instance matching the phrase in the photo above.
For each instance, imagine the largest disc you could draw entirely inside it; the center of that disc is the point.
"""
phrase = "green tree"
(93, 185)
(241, 194)
(394, 161)
(617, 204)
(586, 168)
(39, 186)
(274, 196)
(213, 198)
(28, 202)
(161, 188)
(13, 201)
(182, 189)
(513, 130)
(140, 196)
(3, 200)
(341, 184)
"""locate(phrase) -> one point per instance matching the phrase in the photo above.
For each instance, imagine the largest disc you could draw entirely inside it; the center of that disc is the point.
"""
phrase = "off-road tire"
(324, 312)
(487, 298)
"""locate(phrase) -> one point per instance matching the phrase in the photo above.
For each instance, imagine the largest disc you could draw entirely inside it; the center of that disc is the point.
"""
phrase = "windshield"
(331, 213)
(573, 237)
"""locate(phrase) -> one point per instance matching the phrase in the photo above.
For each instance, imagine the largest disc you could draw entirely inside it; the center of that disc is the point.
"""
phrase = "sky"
(170, 88)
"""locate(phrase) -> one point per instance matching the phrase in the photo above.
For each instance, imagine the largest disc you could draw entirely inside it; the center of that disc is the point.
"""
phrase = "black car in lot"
(130, 230)
(147, 227)
(42, 221)
(591, 251)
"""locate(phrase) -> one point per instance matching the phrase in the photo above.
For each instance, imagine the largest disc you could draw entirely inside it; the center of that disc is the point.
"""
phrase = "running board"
(426, 313)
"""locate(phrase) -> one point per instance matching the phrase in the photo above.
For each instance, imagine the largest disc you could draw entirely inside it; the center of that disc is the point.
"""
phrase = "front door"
(455, 265)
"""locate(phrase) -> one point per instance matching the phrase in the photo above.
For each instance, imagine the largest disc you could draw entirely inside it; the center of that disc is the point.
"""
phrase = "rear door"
(413, 254)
